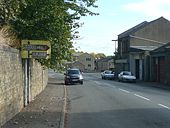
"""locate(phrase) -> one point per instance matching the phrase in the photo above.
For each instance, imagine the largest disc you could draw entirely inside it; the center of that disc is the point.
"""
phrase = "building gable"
(88, 60)
(133, 29)
(145, 26)
(156, 32)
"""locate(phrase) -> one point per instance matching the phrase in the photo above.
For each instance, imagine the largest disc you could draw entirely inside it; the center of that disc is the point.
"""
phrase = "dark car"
(73, 76)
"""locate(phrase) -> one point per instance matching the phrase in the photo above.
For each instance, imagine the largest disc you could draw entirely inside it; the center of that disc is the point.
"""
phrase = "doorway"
(137, 68)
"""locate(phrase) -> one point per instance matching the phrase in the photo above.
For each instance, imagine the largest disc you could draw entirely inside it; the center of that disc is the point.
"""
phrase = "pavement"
(154, 85)
(45, 111)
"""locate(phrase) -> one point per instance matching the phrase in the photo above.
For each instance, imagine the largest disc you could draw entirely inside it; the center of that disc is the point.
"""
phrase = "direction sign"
(38, 49)
(29, 47)
(39, 54)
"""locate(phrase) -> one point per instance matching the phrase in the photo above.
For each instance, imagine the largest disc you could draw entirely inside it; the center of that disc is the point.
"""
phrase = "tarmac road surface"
(110, 104)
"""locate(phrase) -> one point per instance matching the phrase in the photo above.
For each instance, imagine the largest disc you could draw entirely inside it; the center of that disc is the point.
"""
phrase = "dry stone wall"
(12, 82)
(39, 79)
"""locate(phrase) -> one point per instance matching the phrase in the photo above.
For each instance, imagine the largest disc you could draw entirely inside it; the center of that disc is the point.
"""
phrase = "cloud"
(152, 8)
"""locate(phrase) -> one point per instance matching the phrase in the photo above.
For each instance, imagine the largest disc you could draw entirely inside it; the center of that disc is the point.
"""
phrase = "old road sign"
(34, 47)
(39, 54)
(37, 49)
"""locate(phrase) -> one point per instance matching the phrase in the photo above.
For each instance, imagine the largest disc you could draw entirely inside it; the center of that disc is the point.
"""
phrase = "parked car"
(73, 76)
(126, 76)
(108, 75)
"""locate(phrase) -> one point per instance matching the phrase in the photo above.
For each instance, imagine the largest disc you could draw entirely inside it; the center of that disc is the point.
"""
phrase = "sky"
(116, 16)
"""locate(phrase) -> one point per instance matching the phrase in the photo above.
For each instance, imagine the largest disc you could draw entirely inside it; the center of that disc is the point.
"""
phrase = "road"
(110, 104)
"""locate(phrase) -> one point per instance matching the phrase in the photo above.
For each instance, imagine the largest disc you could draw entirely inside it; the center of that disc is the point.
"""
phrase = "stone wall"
(12, 82)
(39, 79)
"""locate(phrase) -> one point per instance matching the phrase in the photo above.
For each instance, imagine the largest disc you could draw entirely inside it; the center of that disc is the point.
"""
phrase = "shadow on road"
(126, 118)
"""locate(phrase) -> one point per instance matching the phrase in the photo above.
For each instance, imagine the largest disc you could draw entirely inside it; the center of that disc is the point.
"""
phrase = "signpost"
(37, 49)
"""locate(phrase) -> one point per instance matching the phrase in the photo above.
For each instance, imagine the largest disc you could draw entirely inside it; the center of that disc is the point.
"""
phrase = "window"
(73, 72)
(88, 59)
(89, 65)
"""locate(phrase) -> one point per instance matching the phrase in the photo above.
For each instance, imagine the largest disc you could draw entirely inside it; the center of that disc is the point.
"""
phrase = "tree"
(53, 20)
(98, 55)
(9, 9)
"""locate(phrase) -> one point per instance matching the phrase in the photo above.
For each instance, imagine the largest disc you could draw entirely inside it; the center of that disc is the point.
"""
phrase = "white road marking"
(142, 97)
(124, 90)
(164, 106)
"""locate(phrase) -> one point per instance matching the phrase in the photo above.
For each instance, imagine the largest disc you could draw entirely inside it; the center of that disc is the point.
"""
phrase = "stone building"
(135, 44)
(106, 63)
(84, 61)
(76, 64)
(160, 68)
(87, 60)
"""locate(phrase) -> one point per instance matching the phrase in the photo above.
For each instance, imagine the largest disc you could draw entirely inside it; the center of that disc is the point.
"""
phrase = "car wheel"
(66, 83)
(81, 82)
(123, 80)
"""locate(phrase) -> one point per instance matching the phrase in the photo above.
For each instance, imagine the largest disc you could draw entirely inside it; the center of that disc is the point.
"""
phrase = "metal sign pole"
(29, 81)
(25, 82)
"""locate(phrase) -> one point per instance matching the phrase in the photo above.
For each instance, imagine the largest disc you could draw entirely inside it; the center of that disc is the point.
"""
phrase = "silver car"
(108, 75)
(126, 76)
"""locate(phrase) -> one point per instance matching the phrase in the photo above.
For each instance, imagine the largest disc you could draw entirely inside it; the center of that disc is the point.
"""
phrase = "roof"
(161, 49)
(105, 59)
(138, 27)
(160, 18)
(77, 53)
(135, 50)
(133, 29)
(142, 48)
